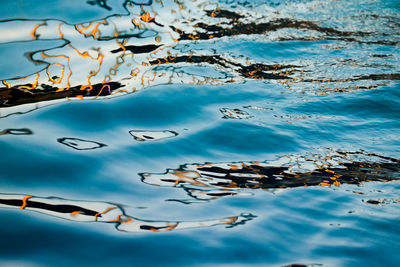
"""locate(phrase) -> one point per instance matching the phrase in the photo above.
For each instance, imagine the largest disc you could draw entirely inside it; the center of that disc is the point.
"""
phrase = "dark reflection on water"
(82, 211)
(80, 144)
(22, 131)
(214, 180)
(228, 83)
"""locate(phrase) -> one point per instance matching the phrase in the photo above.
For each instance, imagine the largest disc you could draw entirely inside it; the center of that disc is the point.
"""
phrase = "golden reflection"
(30, 87)
(141, 49)
(7, 84)
(59, 78)
(86, 211)
(92, 28)
(33, 34)
(146, 17)
(24, 201)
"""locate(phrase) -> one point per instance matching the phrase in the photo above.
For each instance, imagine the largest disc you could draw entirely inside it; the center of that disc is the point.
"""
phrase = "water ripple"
(267, 131)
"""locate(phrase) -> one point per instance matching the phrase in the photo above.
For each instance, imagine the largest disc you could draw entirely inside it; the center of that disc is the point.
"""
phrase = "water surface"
(200, 133)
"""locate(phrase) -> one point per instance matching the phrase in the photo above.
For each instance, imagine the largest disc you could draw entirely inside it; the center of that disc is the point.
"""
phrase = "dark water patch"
(372, 201)
(137, 49)
(220, 13)
(373, 77)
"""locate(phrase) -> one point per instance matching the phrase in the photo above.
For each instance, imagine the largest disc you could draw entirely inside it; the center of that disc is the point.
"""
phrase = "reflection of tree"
(85, 211)
(215, 180)
(81, 58)
(125, 53)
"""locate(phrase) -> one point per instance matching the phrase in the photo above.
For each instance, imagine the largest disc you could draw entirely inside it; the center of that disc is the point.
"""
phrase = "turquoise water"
(199, 133)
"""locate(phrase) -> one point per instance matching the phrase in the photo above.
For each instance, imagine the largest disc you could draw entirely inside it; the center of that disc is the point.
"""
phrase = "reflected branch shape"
(149, 45)
(215, 180)
(87, 211)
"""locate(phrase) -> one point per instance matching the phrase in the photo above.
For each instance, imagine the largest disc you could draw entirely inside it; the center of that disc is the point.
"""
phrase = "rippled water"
(215, 133)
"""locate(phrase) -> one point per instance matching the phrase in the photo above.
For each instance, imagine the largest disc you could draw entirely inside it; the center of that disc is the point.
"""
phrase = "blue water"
(201, 133)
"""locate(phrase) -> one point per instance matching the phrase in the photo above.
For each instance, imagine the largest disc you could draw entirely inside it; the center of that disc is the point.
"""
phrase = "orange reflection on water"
(146, 17)
(86, 211)
(94, 32)
(7, 84)
(33, 33)
(24, 201)
(33, 86)
(119, 47)
(215, 180)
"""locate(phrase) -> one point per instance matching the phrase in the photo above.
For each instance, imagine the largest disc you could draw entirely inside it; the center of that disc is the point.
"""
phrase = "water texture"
(200, 133)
